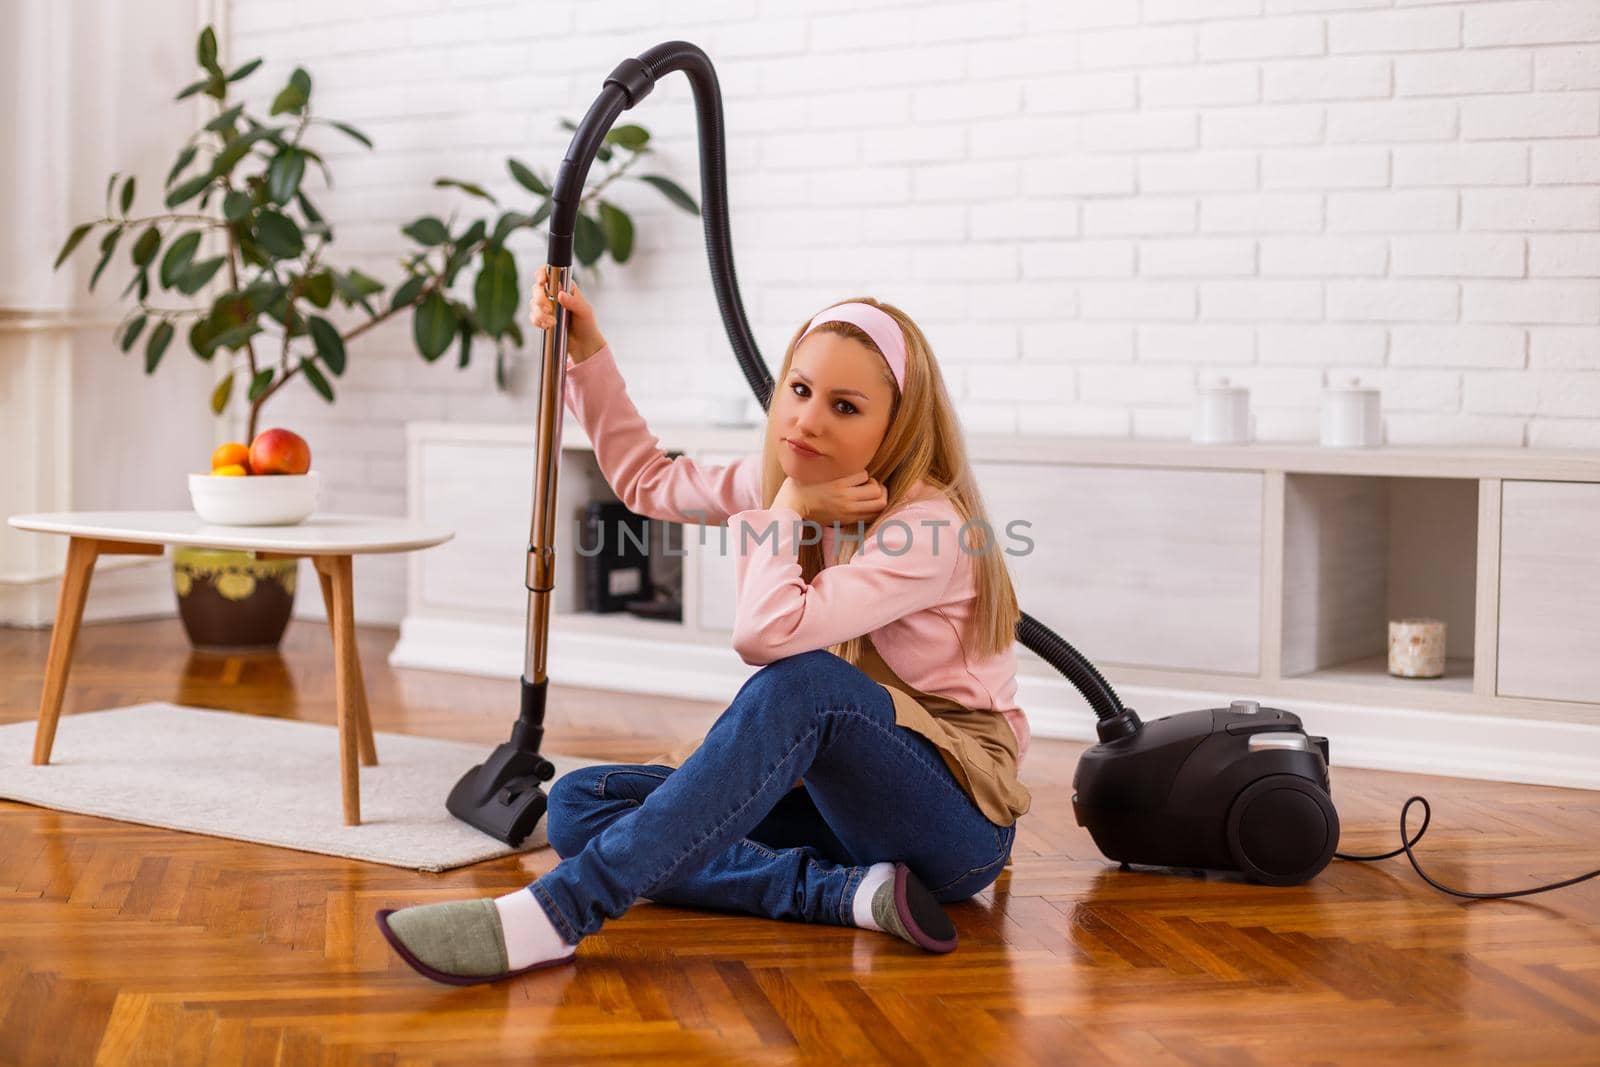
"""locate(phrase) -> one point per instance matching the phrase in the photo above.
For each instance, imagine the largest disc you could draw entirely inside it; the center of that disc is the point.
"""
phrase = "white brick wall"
(1090, 207)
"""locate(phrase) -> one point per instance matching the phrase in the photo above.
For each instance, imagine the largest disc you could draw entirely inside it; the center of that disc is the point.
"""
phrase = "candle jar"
(1416, 648)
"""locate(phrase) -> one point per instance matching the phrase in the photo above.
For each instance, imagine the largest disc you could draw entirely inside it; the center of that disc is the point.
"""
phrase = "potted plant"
(241, 220)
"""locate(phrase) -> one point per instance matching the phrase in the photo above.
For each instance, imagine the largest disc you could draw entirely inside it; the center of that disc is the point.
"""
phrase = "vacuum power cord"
(1405, 846)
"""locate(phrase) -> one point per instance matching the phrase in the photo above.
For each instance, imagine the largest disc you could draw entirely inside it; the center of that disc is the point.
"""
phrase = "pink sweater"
(910, 586)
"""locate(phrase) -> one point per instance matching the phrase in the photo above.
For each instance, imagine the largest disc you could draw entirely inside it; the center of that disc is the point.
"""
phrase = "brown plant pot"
(230, 601)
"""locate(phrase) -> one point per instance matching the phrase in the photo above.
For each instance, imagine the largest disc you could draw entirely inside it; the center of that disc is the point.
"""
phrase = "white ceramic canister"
(1222, 414)
(1351, 416)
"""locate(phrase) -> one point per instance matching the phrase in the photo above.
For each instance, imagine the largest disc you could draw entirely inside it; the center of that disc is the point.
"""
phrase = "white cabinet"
(1267, 569)
(1155, 568)
(1550, 590)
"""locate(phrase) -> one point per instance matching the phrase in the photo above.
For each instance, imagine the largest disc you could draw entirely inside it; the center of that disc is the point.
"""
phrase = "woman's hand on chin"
(850, 499)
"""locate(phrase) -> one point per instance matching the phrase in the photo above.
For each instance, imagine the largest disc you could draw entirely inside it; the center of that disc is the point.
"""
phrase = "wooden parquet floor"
(127, 944)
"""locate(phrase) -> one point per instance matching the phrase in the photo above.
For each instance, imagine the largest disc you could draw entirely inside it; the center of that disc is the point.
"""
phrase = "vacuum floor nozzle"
(502, 796)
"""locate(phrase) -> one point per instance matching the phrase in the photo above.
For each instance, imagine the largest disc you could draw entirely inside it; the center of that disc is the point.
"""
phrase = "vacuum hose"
(630, 82)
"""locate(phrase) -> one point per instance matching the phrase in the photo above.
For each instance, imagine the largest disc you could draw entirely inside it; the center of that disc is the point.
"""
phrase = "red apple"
(278, 451)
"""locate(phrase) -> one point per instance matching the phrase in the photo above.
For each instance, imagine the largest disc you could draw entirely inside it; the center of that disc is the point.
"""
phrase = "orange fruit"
(231, 470)
(231, 454)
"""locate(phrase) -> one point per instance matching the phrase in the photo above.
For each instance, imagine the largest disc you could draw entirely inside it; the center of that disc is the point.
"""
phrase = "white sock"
(530, 935)
(861, 903)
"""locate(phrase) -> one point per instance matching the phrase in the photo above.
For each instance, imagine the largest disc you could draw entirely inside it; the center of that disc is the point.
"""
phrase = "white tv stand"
(1189, 574)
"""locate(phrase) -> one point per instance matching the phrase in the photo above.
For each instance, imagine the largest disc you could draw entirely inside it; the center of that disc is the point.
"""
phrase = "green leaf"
(176, 261)
(73, 240)
(222, 394)
(131, 334)
(234, 339)
(216, 88)
(466, 187)
(351, 291)
(237, 148)
(200, 335)
(192, 88)
(433, 325)
(144, 249)
(188, 190)
(262, 294)
(629, 136)
(133, 283)
(330, 346)
(127, 194)
(352, 131)
(526, 178)
(408, 290)
(466, 346)
(236, 205)
(111, 183)
(542, 214)
(588, 240)
(108, 245)
(318, 288)
(673, 192)
(313, 216)
(327, 175)
(509, 223)
(206, 50)
(618, 229)
(515, 331)
(496, 293)
(225, 120)
(318, 382)
(278, 234)
(283, 175)
(458, 259)
(294, 96)
(244, 70)
(195, 277)
(364, 284)
(258, 384)
(427, 231)
(184, 159)
(159, 337)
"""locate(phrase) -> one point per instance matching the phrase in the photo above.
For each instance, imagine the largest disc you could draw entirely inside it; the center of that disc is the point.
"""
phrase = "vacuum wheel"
(1282, 830)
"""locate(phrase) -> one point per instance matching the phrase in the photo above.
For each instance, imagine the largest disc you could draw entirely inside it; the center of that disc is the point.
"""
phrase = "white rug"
(271, 781)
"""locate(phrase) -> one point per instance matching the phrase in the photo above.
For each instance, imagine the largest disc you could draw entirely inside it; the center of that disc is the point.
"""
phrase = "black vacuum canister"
(1241, 788)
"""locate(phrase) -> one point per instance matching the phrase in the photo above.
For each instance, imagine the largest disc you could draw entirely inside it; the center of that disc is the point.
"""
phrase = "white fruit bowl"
(254, 499)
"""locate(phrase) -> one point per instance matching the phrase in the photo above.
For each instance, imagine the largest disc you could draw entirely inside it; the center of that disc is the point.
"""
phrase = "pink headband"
(884, 331)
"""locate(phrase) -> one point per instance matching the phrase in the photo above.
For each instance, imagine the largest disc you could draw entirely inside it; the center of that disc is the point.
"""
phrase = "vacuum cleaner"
(1242, 788)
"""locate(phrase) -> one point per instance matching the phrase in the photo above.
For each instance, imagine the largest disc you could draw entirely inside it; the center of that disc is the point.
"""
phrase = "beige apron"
(977, 744)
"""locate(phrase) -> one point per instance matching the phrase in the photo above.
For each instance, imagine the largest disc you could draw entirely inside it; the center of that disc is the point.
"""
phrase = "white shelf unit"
(1185, 572)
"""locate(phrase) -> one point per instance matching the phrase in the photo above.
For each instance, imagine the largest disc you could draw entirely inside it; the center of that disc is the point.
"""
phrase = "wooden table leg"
(81, 554)
(346, 669)
(369, 748)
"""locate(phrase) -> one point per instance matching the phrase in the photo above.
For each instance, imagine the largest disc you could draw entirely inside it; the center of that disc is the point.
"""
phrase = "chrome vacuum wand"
(502, 796)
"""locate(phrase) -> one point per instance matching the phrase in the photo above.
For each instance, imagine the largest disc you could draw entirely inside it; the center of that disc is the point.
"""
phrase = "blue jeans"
(729, 830)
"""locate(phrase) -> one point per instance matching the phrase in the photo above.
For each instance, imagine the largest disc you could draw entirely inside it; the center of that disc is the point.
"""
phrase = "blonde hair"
(923, 441)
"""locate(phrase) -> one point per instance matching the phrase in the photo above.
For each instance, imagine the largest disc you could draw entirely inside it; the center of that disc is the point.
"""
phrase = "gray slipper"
(903, 906)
